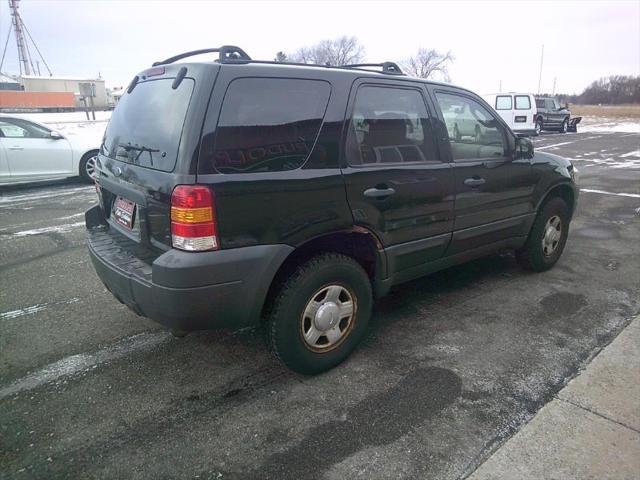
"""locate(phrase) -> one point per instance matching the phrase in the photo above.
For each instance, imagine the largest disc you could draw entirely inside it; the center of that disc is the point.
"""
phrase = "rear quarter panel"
(286, 207)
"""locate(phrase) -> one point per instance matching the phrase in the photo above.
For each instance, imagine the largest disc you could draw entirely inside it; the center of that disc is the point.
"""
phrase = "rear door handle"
(379, 192)
(16, 148)
(474, 182)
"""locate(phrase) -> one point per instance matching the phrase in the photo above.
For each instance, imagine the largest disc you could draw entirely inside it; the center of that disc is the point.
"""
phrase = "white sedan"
(31, 152)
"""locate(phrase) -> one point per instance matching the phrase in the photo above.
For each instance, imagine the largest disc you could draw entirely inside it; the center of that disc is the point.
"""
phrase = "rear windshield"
(146, 126)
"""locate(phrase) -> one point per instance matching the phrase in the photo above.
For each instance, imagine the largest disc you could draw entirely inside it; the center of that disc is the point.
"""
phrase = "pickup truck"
(552, 116)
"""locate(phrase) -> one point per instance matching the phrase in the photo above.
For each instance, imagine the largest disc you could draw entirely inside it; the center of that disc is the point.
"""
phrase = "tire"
(538, 127)
(536, 254)
(292, 330)
(563, 127)
(87, 166)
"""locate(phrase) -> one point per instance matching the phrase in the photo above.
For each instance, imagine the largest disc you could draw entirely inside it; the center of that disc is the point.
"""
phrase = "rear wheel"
(538, 126)
(320, 313)
(88, 166)
(547, 238)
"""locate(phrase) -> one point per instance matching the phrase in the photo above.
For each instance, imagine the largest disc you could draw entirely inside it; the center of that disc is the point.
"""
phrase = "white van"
(517, 109)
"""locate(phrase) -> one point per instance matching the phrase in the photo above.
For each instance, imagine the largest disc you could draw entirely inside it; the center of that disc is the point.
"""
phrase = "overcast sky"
(491, 41)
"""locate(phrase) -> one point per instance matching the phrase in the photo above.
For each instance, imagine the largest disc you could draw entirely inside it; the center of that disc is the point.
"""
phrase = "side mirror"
(524, 148)
(53, 135)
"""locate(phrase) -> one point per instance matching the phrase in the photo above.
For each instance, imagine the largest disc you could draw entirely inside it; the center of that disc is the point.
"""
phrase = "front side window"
(473, 132)
(503, 102)
(523, 102)
(389, 125)
(269, 124)
(18, 128)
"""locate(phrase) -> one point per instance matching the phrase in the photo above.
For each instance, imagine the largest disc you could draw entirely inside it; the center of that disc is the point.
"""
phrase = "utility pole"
(554, 85)
(540, 76)
(20, 40)
(500, 87)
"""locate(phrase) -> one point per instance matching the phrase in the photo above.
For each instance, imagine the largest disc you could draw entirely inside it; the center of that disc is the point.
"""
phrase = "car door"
(5, 174)
(397, 186)
(32, 154)
(504, 107)
(552, 112)
(492, 191)
(523, 114)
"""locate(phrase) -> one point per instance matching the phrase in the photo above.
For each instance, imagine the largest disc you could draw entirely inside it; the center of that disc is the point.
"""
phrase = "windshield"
(146, 126)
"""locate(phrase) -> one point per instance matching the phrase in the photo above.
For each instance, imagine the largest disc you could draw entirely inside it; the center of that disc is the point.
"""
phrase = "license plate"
(124, 212)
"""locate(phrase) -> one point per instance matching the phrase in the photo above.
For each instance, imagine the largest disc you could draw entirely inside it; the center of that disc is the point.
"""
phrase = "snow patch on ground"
(607, 162)
(39, 231)
(611, 127)
(61, 117)
(81, 362)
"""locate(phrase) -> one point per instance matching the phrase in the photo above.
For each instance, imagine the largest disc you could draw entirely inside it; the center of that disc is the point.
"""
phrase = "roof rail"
(390, 68)
(233, 54)
(226, 54)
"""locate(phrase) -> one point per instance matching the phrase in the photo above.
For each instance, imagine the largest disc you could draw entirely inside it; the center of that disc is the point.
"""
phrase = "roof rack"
(233, 54)
(390, 68)
(226, 54)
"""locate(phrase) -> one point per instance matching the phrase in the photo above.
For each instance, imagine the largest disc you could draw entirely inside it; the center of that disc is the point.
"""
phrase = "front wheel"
(547, 238)
(320, 313)
(88, 166)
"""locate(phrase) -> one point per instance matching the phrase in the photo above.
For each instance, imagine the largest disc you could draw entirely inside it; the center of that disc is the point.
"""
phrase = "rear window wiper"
(137, 148)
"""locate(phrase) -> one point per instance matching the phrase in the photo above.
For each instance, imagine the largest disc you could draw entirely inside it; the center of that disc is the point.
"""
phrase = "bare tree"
(339, 51)
(427, 63)
(281, 57)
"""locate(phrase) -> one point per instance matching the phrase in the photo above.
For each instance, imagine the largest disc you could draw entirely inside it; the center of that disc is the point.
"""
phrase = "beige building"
(67, 84)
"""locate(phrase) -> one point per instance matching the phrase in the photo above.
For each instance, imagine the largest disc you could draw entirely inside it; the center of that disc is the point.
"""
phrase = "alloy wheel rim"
(328, 318)
(90, 167)
(552, 235)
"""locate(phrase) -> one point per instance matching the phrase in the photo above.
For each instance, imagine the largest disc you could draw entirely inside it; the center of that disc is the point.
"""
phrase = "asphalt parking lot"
(455, 362)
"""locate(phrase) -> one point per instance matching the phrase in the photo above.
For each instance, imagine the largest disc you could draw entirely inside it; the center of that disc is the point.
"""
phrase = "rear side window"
(523, 102)
(389, 125)
(503, 102)
(269, 124)
(539, 102)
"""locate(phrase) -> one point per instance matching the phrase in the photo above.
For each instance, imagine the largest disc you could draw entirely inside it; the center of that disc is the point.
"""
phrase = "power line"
(4, 52)
(36, 45)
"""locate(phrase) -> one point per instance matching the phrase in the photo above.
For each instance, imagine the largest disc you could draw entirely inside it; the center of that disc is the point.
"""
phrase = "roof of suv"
(232, 55)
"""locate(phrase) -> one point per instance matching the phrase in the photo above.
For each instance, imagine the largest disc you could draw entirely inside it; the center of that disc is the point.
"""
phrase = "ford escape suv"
(238, 191)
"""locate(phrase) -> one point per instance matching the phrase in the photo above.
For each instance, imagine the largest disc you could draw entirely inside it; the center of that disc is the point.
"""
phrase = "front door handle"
(474, 182)
(379, 192)
(16, 148)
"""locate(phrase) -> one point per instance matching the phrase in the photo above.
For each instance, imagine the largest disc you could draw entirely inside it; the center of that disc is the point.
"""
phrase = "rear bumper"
(184, 290)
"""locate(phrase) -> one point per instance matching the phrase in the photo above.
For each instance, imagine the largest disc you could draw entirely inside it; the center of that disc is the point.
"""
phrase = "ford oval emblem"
(117, 171)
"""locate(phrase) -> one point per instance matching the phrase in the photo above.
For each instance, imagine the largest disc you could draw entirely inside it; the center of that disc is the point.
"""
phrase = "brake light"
(193, 220)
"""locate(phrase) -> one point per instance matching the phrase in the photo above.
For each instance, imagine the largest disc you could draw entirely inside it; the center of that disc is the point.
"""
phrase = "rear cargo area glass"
(146, 126)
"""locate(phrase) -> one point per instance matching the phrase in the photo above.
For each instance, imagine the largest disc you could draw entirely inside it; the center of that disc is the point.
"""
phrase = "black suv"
(551, 116)
(238, 191)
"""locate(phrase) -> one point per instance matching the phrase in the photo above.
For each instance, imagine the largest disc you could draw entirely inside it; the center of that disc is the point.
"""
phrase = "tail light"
(193, 219)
